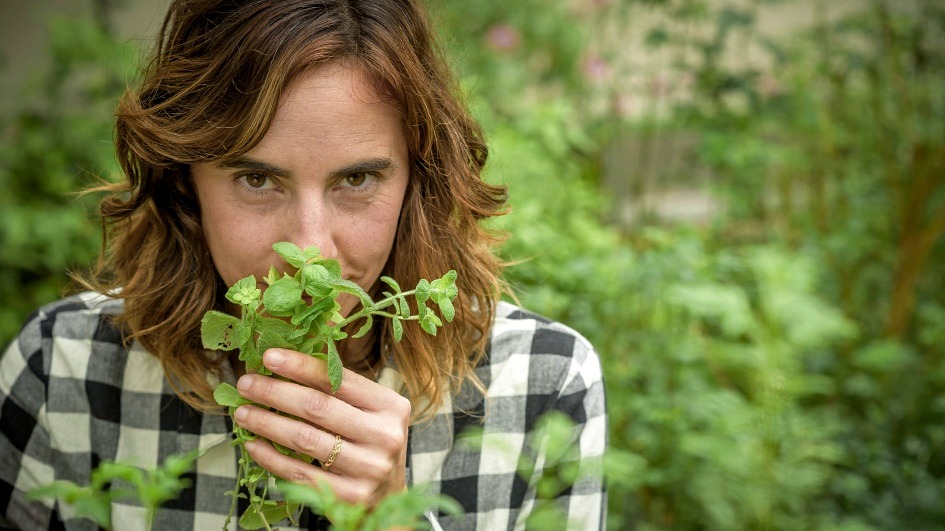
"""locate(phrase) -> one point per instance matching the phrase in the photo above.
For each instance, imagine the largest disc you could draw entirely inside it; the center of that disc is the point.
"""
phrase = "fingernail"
(240, 414)
(244, 382)
(273, 358)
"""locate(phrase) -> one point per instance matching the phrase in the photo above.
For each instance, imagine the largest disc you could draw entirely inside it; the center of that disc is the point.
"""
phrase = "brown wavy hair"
(209, 92)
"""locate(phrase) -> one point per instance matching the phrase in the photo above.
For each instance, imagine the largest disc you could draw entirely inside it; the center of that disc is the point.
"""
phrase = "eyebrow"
(247, 163)
(365, 166)
(362, 166)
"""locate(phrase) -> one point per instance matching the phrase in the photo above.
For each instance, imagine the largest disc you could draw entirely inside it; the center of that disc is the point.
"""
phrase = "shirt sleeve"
(582, 400)
(25, 453)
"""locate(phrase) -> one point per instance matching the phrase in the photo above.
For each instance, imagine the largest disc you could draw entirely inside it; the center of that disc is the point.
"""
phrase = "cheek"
(388, 217)
(237, 244)
(369, 239)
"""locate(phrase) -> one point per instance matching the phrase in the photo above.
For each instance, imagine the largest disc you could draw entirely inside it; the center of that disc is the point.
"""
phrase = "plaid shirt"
(71, 396)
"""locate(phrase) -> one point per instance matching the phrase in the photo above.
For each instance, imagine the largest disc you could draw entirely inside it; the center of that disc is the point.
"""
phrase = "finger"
(312, 405)
(313, 372)
(302, 473)
(308, 440)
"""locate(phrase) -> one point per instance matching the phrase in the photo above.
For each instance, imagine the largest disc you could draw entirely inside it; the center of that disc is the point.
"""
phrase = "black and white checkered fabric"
(72, 396)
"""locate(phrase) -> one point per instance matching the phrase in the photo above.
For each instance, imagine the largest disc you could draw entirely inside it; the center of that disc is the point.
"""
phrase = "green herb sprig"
(112, 481)
(301, 312)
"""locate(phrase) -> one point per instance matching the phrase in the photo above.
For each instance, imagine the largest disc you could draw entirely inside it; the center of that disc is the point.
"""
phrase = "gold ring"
(334, 453)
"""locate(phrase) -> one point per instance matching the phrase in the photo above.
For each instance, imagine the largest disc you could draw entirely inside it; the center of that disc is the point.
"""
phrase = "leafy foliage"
(115, 481)
(57, 138)
(282, 317)
(403, 509)
(777, 368)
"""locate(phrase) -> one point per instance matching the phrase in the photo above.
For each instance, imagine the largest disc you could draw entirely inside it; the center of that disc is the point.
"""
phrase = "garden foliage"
(56, 141)
(781, 366)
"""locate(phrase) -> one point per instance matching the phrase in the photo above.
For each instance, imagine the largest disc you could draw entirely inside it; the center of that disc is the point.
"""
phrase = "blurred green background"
(741, 204)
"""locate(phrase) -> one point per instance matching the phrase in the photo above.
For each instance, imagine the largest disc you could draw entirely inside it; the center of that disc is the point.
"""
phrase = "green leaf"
(268, 340)
(227, 395)
(346, 286)
(179, 464)
(392, 283)
(216, 330)
(272, 277)
(255, 474)
(337, 333)
(316, 280)
(365, 328)
(333, 267)
(316, 498)
(322, 500)
(429, 322)
(406, 508)
(243, 332)
(321, 308)
(273, 326)
(59, 488)
(282, 296)
(281, 449)
(97, 508)
(311, 253)
(404, 308)
(398, 328)
(251, 519)
(108, 471)
(444, 287)
(250, 355)
(311, 320)
(446, 308)
(423, 291)
(335, 369)
(244, 292)
(311, 346)
(447, 280)
(87, 502)
(291, 253)
(545, 515)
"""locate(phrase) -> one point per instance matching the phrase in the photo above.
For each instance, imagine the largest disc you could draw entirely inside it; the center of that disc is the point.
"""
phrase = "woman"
(323, 123)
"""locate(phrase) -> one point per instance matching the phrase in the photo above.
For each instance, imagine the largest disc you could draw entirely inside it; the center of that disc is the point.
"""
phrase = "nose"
(309, 224)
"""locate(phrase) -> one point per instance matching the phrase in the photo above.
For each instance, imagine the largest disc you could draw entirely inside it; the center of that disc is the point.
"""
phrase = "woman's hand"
(371, 419)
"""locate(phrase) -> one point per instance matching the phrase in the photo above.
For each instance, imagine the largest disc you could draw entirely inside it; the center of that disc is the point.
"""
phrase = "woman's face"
(331, 171)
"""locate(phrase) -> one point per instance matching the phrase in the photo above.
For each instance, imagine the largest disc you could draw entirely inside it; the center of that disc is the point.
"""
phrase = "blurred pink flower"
(596, 69)
(503, 38)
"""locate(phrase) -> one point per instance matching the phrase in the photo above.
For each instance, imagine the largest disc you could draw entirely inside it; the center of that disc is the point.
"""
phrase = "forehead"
(330, 111)
(370, 84)
(334, 83)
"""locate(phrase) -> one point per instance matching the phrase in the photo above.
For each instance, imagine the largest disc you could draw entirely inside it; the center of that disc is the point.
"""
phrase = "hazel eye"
(256, 180)
(257, 184)
(356, 180)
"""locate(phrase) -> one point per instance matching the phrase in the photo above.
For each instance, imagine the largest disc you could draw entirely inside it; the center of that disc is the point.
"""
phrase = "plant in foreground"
(301, 312)
(113, 481)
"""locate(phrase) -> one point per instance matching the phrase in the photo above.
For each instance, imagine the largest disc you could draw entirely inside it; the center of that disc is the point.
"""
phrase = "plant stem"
(374, 309)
